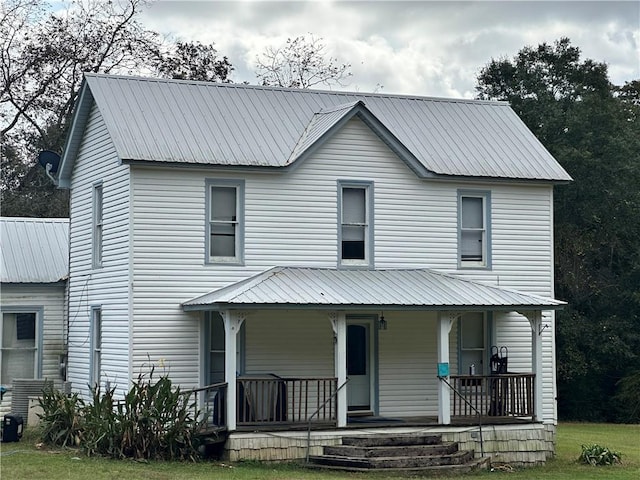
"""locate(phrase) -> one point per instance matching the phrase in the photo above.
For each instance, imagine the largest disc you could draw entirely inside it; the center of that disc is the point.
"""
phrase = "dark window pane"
(223, 240)
(217, 332)
(26, 326)
(353, 243)
(356, 350)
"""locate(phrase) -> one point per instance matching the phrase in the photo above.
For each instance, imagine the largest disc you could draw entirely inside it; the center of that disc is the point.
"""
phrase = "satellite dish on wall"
(49, 160)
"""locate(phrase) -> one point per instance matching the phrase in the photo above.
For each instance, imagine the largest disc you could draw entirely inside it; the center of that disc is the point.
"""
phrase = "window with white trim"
(97, 226)
(474, 234)
(356, 225)
(19, 353)
(96, 347)
(225, 212)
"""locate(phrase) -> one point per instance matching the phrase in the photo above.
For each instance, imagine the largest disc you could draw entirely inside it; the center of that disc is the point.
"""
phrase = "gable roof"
(34, 250)
(424, 289)
(233, 125)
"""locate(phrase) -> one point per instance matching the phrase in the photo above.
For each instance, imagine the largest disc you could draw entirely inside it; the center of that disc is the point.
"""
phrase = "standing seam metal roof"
(402, 288)
(34, 250)
(206, 123)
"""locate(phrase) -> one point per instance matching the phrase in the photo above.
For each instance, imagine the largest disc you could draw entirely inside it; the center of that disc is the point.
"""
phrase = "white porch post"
(339, 325)
(535, 320)
(445, 322)
(232, 323)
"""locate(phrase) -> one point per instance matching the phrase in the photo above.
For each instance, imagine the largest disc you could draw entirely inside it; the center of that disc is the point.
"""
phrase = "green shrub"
(61, 418)
(102, 427)
(158, 421)
(153, 421)
(597, 455)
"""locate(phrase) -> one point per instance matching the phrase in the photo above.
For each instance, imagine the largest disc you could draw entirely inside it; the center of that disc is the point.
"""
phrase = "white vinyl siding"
(97, 163)
(290, 220)
(294, 344)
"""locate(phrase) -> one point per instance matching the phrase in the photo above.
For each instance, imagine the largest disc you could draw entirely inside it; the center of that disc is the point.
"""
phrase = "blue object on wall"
(443, 369)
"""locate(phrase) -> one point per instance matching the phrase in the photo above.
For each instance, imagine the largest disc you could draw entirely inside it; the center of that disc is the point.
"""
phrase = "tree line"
(586, 122)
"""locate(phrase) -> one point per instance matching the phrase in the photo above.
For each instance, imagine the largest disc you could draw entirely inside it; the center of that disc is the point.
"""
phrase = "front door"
(359, 365)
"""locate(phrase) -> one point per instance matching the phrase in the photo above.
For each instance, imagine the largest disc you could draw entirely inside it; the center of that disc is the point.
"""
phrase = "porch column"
(535, 320)
(232, 323)
(445, 322)
(339, 325)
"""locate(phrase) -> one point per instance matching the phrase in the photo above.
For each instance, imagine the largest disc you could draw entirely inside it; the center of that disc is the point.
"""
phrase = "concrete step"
(391, 440)
(391, 451)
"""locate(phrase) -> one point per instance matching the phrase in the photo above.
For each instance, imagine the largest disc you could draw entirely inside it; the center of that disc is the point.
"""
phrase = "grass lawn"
(23, 460)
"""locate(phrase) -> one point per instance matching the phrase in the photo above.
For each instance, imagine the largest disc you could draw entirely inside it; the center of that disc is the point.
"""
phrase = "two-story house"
(333, 259)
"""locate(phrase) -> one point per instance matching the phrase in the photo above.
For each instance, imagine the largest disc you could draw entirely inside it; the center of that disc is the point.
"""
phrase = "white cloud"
(419, 47)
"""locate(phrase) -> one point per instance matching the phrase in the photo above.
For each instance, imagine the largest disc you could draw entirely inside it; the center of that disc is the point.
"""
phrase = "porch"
(268, 403)
(321, 356)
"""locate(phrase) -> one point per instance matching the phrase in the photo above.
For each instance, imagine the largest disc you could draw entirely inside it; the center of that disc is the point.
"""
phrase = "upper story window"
(474, 235)
(97, 226)
(225, 221)
(355, 235)
(19, 355)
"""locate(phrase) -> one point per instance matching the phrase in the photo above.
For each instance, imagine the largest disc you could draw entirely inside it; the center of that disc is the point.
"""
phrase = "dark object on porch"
(260, 400)
(498, 388)
(498, 360)
(12, 428)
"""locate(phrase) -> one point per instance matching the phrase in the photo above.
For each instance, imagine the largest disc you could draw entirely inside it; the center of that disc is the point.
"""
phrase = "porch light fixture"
(382, 323)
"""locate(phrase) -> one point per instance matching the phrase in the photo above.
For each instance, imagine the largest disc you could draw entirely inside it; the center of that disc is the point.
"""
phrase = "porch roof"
(398, 289)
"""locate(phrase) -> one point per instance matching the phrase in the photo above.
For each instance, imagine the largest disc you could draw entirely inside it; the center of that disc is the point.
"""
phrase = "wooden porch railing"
(271, 399)
(210, 401)
(506, 395)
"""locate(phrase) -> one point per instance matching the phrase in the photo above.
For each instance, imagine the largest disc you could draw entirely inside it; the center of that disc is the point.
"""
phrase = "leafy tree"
(194, 61)
(301, 62)
(591, 128)
(43, 56)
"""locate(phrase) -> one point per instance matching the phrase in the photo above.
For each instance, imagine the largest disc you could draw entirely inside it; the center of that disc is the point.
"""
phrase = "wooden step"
(391, 440)
(384, 463)
(437, 470)
(392, 451)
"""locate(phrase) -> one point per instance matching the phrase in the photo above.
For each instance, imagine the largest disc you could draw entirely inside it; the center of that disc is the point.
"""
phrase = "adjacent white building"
(328, 256)
(34, 272)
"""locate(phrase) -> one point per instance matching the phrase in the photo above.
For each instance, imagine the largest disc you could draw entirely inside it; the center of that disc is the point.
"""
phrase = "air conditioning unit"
(23, 388)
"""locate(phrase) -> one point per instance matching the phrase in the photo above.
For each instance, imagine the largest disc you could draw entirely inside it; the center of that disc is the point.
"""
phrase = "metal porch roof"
(34, 250)
(424, 289)
(234, 125)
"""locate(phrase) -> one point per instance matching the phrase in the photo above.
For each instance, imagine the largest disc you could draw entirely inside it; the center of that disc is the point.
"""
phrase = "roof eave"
(74, 137)
(221, 306)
